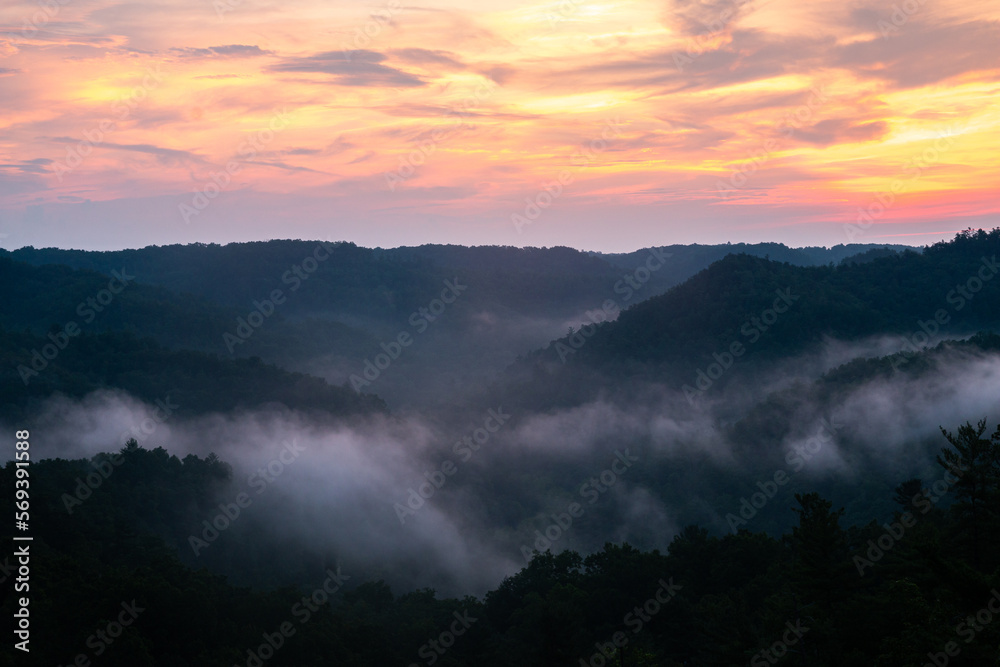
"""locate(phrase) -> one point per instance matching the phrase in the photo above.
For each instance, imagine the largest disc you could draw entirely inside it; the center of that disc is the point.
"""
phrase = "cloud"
(29, 167)
(841, 130)
(358, 68)
(919, 54)
(748, 55)
(9, 71)
(704, 17)
(168, 155)
(500, 73)
(426, 56)
(362, 158)
(339, 145)
(284, 165)
(228, 51)
(33, 166)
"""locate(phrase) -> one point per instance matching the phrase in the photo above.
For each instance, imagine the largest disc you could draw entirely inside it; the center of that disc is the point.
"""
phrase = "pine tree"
(972, 465)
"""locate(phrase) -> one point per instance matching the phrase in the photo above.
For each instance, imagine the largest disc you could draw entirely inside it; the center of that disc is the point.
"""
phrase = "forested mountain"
(198, 383)
(339, 303)
(746, 312)
(49, 298)
(370, 284)
(753, 432)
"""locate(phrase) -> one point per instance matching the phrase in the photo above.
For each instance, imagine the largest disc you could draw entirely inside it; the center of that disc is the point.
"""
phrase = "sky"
(600, 125)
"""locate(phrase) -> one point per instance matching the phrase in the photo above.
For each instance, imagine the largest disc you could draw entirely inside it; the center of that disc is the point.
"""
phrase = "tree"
(972, 465)
(820, 546)
(905, 492)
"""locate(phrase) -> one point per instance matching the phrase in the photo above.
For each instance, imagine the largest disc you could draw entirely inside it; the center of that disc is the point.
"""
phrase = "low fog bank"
(457, 506)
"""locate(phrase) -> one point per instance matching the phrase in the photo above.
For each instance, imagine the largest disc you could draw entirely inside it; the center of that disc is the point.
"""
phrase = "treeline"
(34, 368)
(341, 278)
(387, 284)
(917, 588)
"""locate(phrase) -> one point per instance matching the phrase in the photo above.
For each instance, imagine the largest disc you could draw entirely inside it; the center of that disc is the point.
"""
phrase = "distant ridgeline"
(331, 309)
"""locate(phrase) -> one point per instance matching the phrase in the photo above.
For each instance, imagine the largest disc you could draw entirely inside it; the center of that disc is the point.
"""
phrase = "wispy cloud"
(167, 154)
(229, 51)
(361, 68)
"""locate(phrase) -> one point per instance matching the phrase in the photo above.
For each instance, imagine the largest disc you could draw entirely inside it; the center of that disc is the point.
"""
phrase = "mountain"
(35, 368)
(745, 312)
(339, 306)
(693, 476)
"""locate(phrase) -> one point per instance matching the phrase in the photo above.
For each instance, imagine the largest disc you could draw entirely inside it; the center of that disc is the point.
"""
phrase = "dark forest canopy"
(825, 593)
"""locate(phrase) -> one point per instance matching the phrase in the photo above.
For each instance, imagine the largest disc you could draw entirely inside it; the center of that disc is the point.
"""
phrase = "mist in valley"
(434, 499)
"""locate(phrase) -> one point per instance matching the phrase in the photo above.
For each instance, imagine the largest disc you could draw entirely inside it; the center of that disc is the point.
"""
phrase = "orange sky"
(596, 124)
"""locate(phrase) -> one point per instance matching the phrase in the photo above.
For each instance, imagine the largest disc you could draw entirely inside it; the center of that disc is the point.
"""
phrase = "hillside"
(196, 382)
(746, 312)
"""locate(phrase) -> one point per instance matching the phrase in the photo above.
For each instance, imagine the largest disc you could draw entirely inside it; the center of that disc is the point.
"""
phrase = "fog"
(346, 489)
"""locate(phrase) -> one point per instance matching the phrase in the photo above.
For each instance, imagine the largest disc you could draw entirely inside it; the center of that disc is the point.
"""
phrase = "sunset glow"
(393, 123)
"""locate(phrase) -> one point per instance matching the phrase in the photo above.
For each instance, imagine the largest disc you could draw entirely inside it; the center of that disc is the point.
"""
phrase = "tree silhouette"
(971, 465)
